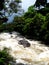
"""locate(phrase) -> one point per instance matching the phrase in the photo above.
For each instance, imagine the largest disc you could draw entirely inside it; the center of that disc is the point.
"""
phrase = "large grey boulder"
(24, 42)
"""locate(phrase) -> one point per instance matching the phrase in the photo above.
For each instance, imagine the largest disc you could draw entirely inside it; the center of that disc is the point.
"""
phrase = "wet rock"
(20, 64)
(10, 32)
(24, 43)
(14, 63)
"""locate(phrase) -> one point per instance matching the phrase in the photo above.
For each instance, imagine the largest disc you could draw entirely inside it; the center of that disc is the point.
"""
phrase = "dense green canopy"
(40, 3)
(8, 7)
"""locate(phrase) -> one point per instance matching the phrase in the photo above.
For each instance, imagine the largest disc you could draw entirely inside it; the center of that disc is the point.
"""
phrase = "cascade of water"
(34, 54)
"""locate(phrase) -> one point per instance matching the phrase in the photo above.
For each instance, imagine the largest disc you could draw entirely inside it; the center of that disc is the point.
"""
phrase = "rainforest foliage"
(33, 24)
(5, 57)
(7, 8)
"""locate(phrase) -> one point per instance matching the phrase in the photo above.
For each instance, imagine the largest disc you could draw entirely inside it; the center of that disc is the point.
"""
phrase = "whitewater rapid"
(36, 54)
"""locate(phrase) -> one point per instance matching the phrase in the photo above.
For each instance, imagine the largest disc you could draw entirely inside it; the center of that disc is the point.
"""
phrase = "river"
(35, 54)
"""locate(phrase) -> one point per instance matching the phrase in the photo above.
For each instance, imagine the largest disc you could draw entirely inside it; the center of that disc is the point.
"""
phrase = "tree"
(32, 28)
(1, 4)
(13, 6)
(40, 3)
(47, 5)
(30, 13)
(8, 7)
(42, 10)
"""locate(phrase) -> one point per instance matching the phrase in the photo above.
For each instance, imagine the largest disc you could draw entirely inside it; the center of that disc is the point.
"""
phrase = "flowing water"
(35, 54)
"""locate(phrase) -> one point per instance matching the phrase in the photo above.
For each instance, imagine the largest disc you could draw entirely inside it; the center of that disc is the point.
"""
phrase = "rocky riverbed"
(26, 52)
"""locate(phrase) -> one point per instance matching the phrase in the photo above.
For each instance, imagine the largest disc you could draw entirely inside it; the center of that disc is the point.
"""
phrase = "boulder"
(25, 43)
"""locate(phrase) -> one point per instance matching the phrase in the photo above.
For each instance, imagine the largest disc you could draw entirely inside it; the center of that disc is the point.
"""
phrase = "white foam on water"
(36, 54)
